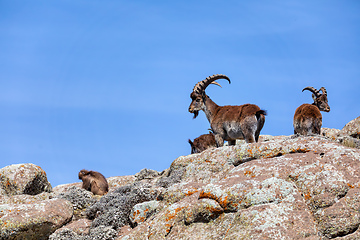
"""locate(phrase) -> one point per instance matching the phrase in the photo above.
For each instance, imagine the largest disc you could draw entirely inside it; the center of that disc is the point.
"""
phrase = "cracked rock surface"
(288, 188)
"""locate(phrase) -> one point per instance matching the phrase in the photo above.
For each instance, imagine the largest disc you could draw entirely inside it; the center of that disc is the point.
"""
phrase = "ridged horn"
(323, 91)
(202, 85)
(313, 90)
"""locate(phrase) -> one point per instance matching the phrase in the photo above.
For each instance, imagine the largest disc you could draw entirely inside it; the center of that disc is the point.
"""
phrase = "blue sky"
(105, 85)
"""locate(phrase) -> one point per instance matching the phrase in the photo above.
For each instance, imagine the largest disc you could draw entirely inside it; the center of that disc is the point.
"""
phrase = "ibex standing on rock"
(307, 118)
(227, 122)
(202, 143)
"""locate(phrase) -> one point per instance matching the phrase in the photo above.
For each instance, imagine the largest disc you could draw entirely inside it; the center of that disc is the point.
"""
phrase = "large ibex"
(227, 122)
(307, 117)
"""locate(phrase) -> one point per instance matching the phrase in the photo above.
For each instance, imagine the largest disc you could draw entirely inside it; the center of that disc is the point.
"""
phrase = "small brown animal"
(307, 117)
(202, 143)
(227, 122)
(94, 182)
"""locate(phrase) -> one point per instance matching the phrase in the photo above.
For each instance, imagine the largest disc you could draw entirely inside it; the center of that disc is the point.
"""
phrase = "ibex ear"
(314, 97)
(191, 143)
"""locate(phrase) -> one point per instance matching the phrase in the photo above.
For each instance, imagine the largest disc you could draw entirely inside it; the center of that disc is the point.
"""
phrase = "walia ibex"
(307, 117)
(202, 143)
(227, 122)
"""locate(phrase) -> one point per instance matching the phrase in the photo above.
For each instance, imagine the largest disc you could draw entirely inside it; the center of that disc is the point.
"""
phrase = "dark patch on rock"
(146, 174)
(114, 208)
(174, 176)
(80, 199)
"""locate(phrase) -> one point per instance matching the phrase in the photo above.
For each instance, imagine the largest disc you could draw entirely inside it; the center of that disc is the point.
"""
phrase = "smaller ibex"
(202, 143)
(307, 117)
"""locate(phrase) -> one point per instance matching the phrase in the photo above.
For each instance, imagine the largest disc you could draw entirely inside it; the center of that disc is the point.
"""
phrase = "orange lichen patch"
(351, 186)
(189, 193)
(223, 203)
(171, 215)
(214, 210)
(300, 150)
(307, 196)
(137, 212)
(249, 173)
(168, 228)
(204, 194)
(227, 231)
(142, 219)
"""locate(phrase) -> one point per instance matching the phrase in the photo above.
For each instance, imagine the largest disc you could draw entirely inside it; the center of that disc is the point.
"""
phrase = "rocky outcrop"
(348, 136)
(114, 208)
(80, 200)
(33, 221)
(294, 188)
(23, 179)
(284, 187)
(26, 208)
(351, 129)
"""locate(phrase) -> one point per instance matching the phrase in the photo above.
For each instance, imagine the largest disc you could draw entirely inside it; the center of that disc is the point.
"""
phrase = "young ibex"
(202, 143)
(307, 117)
(227, 122)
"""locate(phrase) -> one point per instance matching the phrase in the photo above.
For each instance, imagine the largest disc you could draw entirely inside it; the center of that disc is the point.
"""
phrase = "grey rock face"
(172, 176)
(102, 233)
(288, 188)
(330, 132)
(349, 141)
(114, 208)
(65, 234)
(79, 198)
(348, 136)
(23, 179)
(146, 174)
(98, 233)
(25, 199)
(143, 211)
(351, 129)
(33, 221)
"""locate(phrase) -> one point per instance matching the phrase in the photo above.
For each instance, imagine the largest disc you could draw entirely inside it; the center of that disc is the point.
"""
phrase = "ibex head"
(202, 143)
(198, 94)
(320, 100)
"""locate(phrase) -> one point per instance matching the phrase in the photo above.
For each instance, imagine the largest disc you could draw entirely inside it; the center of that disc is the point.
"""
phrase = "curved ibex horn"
(323, 90)
(313, 90)
(202, 85)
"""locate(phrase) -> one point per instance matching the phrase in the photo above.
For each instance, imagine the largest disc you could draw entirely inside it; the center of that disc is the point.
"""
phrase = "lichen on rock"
(283, 187)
